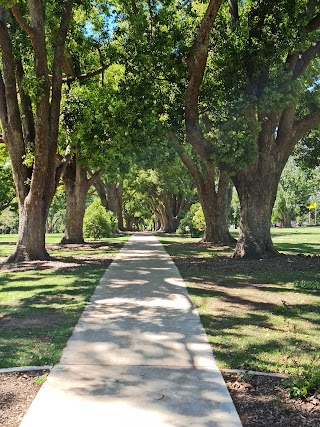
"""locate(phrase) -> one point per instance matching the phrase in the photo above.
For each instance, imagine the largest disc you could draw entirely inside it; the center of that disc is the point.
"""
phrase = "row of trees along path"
(231, 86)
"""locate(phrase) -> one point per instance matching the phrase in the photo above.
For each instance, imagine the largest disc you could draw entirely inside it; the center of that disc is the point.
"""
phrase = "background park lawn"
(260, 315)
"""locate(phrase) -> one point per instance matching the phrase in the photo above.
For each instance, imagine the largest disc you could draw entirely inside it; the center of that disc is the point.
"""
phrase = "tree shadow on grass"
(35, 327)
(299, 248)
(245, 333)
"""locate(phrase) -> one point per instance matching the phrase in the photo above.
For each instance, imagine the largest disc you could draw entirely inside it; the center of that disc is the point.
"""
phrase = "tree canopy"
(120, 89)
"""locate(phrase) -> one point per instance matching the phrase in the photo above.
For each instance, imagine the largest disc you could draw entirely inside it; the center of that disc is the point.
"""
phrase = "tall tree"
(213, 183)
(92, 132)
(30, 113)
(172, 90)
(268, 99)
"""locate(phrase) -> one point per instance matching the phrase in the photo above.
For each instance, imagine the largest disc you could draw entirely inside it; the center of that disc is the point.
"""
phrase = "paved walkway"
(138, 356)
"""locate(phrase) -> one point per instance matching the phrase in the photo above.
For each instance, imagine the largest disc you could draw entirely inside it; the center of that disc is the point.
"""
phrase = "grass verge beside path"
(40, 302)
(260, 315)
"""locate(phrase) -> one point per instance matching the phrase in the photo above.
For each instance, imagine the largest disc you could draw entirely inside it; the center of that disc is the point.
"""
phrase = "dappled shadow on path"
(139, 354)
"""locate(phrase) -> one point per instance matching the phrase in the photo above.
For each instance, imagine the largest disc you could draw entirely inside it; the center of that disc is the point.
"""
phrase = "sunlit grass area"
(38, 311)
(300, 240)
(40, 304)
(8, 241)
(261, 315)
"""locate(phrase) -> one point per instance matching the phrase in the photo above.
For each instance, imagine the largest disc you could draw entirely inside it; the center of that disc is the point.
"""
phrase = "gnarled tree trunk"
(76, 187)
(215, 205)
(111, 198)
(213, 191)
(257, 193)
(169, 221)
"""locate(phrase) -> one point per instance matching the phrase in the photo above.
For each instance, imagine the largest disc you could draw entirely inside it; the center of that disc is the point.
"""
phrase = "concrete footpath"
(138, 355)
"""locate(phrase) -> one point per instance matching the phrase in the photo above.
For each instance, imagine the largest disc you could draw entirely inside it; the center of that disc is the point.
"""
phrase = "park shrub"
(193, 222)
(306, 384)
(98, 222)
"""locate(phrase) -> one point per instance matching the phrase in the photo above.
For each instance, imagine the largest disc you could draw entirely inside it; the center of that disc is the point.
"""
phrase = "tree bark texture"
(115, 205)
(76, 187)
(169, 220)
(257, 195)
(111, 199)
(214, 196)
(31, 237)
(214, 200)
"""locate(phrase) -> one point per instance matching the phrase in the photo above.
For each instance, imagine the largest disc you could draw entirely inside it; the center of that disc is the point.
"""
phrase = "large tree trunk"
(215, 204)
(114, 197)
(217, 231)
(213, 191)
(111, 198)
(35, 185)
(31, 238)
(169, 221)
(76, 187)
(257, 193)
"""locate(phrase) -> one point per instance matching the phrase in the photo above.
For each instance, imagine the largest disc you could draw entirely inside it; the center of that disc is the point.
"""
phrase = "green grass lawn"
(260, 315)
(8, 241)
(300, 240)
(40, 305)
(39, 310)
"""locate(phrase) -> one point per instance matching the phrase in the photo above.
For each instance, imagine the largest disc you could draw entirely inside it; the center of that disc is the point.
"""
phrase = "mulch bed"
(260, 401)
(17, 391)
(263, 402)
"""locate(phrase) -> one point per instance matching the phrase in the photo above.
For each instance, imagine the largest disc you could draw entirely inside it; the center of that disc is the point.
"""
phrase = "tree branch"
(62, 165)
(163, 79)
(303, 126)
(304, 59)
(314, 24)
(21, 21)
(26, 106)
(193, 169)
(93, 178)
(8, 82)
(196, 62)
(101, 190)
(57, 72)
(3, 103)
(233, 11)
(134, 6)
(85, 76)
